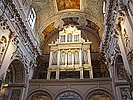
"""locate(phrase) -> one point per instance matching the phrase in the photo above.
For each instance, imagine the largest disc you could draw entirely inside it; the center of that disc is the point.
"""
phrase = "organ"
(70, 52)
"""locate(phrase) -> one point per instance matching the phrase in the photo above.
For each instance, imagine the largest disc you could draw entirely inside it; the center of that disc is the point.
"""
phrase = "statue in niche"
(63, 58)
(2, 46)
(85, 57)
(54, 58)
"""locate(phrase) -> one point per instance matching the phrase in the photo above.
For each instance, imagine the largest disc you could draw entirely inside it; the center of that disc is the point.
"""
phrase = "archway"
(14, 84)
(39, 95)
(99, 95)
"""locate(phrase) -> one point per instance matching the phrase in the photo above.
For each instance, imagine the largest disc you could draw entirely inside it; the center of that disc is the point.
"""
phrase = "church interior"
(66, 49)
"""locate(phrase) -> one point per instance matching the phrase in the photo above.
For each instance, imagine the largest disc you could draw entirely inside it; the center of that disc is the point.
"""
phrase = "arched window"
(32, 18)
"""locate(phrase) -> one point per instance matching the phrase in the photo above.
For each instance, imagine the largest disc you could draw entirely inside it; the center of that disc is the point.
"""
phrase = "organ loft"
(70, 55)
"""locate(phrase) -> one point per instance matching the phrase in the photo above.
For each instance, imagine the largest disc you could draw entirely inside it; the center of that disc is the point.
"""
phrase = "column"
(81, 73)
(80, 57)
(58, 59)
(57, 73)
(48, 74)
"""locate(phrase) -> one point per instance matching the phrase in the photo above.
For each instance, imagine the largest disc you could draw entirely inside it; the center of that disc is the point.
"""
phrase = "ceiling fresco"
(68, 4)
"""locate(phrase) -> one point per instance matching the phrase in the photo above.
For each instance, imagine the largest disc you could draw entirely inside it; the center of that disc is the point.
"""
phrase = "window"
(32, 18)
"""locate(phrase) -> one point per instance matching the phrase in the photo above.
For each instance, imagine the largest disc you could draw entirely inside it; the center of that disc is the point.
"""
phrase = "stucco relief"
(3, 44)
(126, 40)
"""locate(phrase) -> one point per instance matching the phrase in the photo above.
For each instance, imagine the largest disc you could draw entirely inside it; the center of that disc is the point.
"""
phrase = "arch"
(119, 68)
(43, 94)
(16, 71)
(68, 94)
(15, 75)
(99, 93)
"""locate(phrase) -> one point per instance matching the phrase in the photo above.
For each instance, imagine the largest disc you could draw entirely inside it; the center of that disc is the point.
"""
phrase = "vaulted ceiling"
(52, 15)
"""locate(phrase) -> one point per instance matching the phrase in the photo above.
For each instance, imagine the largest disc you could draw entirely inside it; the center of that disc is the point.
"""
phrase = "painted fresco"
(68, 4)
